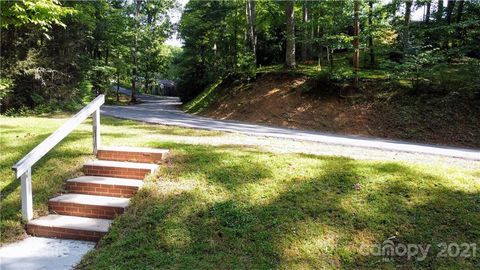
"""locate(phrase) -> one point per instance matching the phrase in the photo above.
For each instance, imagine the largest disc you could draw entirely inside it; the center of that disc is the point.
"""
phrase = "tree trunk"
(147, 82)
(356, 42)
(135, 44)
(106, 56)
(406, 32)
(290, 48)
(235, 33)
(408, 11)
(320, 56)
(252, 30)
(118, 85)
(328, 54)
(370, 37)
(439, 14)
(427, 15)
(331, 57)
(305, 31)
(460, 10)
(460, 29)
(450, 7)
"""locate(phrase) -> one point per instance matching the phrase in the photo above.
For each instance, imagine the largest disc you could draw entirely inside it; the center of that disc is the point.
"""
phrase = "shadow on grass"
(314, 219)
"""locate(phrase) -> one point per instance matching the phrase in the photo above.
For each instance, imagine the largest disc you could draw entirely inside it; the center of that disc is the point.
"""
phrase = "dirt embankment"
(290, 101)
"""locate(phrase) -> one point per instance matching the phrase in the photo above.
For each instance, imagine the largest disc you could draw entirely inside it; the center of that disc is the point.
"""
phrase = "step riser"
(64, 233)
(115, 172)
(101, 190)
(82, 210)
(130, 156)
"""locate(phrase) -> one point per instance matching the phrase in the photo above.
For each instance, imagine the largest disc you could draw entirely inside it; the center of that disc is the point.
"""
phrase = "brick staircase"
(93, 200)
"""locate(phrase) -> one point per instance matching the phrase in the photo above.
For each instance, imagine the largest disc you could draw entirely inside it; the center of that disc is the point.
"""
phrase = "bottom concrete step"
(69, 227)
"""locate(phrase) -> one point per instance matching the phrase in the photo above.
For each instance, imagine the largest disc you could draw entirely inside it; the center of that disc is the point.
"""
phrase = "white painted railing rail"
(23, 168)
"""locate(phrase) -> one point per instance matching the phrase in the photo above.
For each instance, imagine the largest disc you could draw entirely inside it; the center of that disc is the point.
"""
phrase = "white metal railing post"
(27, 204)
(96, 130)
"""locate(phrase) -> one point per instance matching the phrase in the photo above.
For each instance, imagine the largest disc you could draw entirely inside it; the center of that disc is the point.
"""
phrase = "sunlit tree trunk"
(370, 37)
(305, 31)
(290, 48)
(118, 84)
(356, 42)
(235, 36)
(135, 45)
(252, 31)
(406, 32)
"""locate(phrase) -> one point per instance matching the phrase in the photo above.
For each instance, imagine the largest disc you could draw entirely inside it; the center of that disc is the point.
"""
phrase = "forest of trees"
(64, 52)
(225, 38)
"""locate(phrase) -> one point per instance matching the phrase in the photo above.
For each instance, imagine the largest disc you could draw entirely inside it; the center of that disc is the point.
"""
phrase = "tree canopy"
(64, 52)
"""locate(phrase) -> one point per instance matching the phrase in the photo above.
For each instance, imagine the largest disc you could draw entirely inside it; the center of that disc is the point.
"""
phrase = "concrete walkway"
(166, 111)
(43, 253)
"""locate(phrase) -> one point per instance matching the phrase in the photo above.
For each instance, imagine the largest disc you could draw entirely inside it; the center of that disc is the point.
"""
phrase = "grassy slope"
(303, 99)
(233, 206)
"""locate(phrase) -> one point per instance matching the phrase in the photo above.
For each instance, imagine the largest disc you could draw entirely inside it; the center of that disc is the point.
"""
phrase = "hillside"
(300, 100)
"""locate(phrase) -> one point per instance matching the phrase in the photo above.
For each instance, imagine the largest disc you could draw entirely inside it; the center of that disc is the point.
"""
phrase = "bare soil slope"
(294, 101)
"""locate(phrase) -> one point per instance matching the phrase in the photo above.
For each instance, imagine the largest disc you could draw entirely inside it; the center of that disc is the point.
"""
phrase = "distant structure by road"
(165, 88)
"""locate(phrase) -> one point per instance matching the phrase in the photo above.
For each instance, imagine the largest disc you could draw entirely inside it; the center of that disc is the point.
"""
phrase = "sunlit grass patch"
(218, 203)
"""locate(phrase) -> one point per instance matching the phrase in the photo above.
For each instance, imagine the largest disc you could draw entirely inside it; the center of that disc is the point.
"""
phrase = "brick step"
(82, 205)
(69, 227)
(121, 169)
(104, 186)
(132, 154)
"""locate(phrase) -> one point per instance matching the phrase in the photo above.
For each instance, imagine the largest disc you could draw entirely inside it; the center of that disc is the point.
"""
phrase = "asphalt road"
(166, 111)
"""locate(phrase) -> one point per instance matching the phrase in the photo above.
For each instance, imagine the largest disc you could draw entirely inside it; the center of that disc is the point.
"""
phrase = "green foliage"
(6, 85)
(52, 52)
(417, 66)
(39, 13)
(102, 78)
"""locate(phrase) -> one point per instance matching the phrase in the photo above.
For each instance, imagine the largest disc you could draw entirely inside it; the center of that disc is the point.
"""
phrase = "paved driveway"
(166, 111)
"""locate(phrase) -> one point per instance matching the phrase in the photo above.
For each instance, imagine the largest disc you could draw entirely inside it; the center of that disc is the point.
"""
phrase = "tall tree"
(439, 13)
(370, 36)
(252, 30)
(290, 41)
(137, 5)
(406, 30)
(428, 11)
(356, 42)
(408, 11)
(450, 7)
(461, 3)
(305, 42)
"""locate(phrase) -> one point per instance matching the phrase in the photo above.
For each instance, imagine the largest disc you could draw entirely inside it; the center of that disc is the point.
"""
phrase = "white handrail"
(23, 167)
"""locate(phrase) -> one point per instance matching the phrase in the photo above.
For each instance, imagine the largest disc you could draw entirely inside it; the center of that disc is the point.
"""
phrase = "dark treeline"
(222, 38)
(60, 53)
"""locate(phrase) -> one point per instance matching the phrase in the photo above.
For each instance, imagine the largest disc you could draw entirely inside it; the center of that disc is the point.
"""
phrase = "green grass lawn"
(222, 205)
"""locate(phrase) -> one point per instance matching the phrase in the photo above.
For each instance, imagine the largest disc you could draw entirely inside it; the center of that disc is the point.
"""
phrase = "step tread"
(122, 164)
(92, 200)
(73, 222)
(134, 149)
(114, 181)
